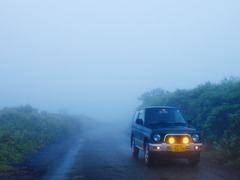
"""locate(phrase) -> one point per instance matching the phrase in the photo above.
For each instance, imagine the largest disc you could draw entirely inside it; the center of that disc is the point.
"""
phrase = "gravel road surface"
(104, 153)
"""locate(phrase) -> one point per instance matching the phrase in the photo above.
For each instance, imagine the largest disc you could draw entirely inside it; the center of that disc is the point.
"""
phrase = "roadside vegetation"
(215, 108)
(23, 130)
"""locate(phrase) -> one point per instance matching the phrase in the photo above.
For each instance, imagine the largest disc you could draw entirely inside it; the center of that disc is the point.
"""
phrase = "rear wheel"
(147, 155)
(135, 150)
(194, 160)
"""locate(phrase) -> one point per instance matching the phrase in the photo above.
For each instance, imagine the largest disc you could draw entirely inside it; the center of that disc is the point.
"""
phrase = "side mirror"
(139, 122)
(198, 127)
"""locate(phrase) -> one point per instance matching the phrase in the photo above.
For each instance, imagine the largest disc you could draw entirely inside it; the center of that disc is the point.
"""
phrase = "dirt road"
(104, 153)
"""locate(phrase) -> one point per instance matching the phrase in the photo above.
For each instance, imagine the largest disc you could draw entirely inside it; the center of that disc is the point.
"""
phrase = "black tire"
(194, 160)
(148, 158)
(135, 150)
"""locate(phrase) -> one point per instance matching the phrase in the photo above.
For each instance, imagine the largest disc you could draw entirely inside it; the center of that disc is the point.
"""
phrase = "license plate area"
(178, 148)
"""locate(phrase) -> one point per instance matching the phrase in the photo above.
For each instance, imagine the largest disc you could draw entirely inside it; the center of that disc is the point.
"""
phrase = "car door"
(139, 134)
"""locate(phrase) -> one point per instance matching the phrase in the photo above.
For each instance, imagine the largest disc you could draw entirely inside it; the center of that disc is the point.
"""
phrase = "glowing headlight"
(156, 137)
(195, 137)
(171, 140)
(185, 140)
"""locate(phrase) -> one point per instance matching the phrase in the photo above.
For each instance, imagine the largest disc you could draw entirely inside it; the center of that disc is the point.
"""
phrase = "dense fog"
(97, 57)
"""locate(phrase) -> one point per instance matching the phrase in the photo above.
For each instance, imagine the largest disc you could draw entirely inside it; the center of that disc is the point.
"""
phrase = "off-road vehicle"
(164, 132)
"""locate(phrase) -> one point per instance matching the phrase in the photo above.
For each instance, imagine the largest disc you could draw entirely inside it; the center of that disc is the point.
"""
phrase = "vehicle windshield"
(164, 116)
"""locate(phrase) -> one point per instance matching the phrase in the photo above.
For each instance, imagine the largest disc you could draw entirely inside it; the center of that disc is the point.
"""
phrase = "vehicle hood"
(174, 129)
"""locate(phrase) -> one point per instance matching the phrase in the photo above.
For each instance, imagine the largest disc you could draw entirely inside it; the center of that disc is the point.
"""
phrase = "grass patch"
(220, 155)
(24, 130)
(5, 168)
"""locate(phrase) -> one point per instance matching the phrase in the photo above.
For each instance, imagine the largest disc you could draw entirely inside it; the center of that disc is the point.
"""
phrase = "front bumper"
(163, 147)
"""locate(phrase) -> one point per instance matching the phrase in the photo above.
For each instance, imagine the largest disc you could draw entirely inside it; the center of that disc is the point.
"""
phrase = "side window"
(136, 117)
(141, 115)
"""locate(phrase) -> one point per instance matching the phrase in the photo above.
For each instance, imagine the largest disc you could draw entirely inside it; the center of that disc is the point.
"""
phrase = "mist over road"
(105, 154)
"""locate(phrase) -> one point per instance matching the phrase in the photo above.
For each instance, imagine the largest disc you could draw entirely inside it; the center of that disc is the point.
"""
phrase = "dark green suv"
(163, 132)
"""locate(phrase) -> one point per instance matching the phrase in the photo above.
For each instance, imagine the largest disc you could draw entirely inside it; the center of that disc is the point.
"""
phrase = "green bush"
(23, 130)
(215, 108)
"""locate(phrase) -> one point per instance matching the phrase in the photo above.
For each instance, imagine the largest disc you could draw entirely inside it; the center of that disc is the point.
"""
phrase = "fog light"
(171, 140)
(157, 148)
(185, 140)
(198, 147)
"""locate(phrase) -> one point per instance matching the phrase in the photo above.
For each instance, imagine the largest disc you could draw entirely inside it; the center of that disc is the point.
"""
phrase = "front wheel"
(147, 155)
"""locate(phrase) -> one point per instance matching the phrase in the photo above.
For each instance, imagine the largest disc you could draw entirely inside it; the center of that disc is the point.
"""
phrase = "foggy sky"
(97, 57)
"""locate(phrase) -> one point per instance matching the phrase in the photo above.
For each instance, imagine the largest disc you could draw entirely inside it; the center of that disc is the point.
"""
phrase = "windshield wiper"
(160, 122)
(166, 123)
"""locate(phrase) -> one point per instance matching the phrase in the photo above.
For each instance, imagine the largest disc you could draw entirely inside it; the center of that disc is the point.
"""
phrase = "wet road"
(105, 153)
